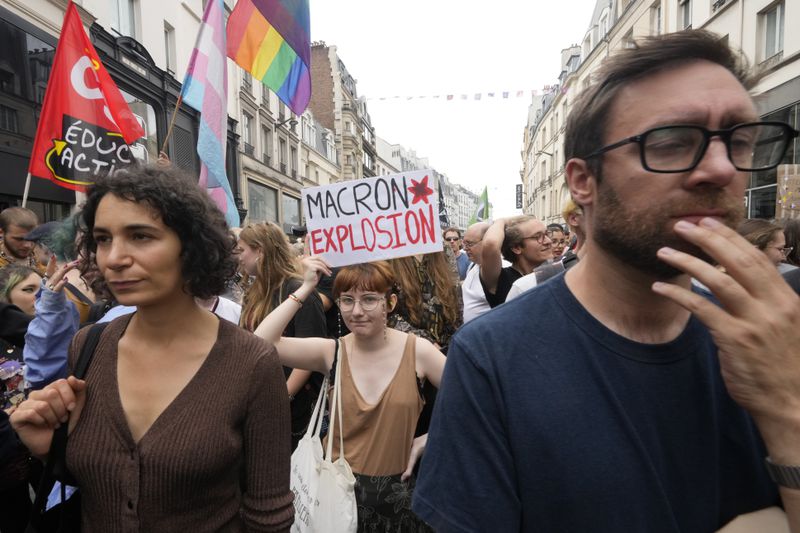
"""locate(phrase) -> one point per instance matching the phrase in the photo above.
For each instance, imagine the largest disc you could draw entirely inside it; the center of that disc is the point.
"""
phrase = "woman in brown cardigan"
(182, 422)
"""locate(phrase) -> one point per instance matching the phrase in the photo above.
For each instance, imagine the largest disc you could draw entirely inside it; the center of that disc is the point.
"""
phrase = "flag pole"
(27, 188)
(172, 122)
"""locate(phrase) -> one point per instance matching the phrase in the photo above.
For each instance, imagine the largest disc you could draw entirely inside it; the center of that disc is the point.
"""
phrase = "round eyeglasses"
(785, 250)
(368, 302)
(752, 146)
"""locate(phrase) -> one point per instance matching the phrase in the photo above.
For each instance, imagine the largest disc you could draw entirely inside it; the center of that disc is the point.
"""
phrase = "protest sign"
(374, 218)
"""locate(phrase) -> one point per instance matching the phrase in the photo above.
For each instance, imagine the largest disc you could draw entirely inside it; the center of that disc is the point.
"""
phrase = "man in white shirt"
(475, 303)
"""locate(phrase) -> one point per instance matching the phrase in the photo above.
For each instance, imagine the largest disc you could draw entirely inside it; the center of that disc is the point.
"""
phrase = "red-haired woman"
(382, 371)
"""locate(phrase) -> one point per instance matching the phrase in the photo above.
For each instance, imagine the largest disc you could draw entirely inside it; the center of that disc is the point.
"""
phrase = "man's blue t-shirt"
(546, 420)
(462, 262)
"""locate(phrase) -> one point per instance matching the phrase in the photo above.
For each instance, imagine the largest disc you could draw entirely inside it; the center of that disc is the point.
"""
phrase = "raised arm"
(491, 258)
(311, 353)
(51, 330)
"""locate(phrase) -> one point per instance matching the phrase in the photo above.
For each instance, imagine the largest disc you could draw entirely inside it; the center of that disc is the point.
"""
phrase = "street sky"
(414, 48)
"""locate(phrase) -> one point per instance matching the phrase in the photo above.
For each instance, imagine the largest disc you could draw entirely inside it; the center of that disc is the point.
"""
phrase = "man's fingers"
(727, 290)
(743, 261)
(710, 314)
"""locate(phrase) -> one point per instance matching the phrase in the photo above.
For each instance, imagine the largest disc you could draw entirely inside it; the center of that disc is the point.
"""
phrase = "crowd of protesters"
(571, 346)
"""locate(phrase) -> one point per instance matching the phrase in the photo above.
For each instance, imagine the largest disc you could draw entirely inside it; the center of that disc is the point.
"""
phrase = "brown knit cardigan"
(217, 459)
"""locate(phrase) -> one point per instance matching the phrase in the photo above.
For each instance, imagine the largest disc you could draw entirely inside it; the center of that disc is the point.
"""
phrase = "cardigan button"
(130, 504)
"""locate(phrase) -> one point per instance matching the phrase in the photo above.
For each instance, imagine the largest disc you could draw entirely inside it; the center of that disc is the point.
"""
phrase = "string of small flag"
(499, 95)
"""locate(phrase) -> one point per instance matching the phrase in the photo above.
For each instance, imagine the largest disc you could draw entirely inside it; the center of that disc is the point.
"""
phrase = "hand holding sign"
(313, 269)
(372, 219)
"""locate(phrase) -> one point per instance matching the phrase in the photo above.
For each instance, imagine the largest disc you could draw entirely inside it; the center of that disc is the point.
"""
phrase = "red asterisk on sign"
(420, 190)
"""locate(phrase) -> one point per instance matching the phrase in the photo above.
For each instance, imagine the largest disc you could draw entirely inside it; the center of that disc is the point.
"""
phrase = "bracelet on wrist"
(294, 297)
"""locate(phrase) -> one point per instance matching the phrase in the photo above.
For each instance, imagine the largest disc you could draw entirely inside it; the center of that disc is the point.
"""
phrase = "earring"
(339, 321)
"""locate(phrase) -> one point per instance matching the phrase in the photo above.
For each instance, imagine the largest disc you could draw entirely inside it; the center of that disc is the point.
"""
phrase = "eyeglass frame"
(540, 237)
(469, 244)
(724, 135)
(785, 250)
(359, 302)
(452, 239)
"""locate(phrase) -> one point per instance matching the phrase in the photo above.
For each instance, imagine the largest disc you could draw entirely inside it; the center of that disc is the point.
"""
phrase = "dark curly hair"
(206, 245)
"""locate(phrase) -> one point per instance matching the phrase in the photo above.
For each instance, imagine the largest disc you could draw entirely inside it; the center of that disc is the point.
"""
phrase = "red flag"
(85, 125)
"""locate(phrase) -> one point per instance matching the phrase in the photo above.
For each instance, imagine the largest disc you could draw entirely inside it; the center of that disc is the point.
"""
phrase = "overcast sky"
(439, 47)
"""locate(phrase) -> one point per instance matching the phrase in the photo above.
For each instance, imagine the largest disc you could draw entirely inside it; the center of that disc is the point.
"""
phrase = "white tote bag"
(324, 491)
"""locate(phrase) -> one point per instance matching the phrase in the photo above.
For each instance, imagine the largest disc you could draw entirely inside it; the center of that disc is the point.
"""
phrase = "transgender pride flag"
(205, 88)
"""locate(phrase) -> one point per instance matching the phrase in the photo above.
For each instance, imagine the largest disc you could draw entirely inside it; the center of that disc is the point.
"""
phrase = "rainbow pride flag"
(271, 39)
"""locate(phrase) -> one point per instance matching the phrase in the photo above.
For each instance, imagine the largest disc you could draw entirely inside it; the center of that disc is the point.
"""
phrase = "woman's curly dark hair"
(206, 245)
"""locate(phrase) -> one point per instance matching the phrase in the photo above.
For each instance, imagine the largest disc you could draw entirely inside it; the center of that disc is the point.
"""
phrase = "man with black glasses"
(520, 240)
(614, 398)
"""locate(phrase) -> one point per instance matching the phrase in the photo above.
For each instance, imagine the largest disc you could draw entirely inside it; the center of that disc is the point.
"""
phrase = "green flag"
(481, 208)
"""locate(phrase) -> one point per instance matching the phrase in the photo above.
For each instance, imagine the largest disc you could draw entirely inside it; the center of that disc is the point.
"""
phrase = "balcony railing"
(249, 149)
(283, 168)
(717, 5)
(294, 173)
(266, 159)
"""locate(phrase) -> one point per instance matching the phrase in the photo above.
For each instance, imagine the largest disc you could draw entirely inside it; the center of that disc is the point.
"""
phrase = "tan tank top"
(378, 438)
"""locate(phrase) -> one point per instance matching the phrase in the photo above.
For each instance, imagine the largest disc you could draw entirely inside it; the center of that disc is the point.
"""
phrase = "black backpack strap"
(332, 372)
(87, 350)
(56, 467)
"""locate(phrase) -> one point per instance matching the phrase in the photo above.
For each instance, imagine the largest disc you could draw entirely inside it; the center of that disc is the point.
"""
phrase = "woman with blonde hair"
(267, 257)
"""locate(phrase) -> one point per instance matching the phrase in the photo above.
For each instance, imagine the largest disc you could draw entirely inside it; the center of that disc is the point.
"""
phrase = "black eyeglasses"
(751, 146)
(538, 237)
(451, 239)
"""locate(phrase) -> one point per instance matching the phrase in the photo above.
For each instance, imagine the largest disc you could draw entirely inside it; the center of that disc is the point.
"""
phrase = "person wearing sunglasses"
(382, 374)
(452, 237)
(645, 406)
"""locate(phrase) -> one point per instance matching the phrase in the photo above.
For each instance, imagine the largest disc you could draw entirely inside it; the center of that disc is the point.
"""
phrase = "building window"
(655, 19)
(262, 205)
(291, 212)
(247, 129)
(266, 145)
(772, 21)
(603, 26)
(293, 162)
(123, 17)
(627, 42)
(169, 47)
(247, 79)
(684, 14)
(8, 119)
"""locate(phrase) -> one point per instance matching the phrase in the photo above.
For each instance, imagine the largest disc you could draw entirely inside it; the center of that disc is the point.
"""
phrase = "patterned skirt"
(384, 505)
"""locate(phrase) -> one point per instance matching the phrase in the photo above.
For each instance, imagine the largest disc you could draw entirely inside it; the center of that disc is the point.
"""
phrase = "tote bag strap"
(336, 408)
(317, 416)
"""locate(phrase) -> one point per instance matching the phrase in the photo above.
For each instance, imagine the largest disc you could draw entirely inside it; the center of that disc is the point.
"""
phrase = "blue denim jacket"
(48, 338)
